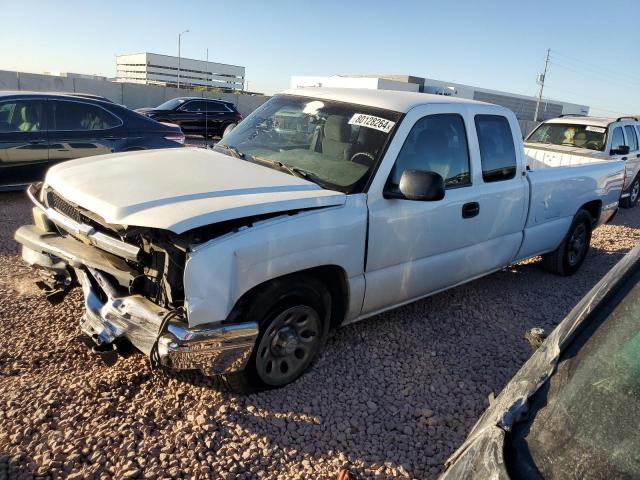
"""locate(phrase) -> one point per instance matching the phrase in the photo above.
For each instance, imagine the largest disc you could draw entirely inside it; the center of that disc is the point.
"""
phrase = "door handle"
(36, 141)
(470, 209)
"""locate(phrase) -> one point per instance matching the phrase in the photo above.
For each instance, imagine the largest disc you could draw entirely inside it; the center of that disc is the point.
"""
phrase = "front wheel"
(293, 315)
(568, 257)
(634, 194)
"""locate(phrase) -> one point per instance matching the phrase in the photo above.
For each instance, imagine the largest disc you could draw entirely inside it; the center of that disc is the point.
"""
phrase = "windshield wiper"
(295, 171)
(233, 151)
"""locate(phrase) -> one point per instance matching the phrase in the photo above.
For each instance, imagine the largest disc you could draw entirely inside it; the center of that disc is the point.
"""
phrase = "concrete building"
(154, 69)
(523, 106)
(355, 81)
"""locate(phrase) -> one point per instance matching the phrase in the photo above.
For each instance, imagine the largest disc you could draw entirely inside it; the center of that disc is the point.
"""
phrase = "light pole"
(179, 45)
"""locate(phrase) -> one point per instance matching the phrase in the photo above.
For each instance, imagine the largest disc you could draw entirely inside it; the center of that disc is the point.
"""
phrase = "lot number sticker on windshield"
(370, 121)
(595, 129)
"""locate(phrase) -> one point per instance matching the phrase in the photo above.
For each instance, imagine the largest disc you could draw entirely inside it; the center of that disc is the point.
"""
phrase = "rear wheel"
(568, 257)
(293, 315)
(634, 194)
(228, 128)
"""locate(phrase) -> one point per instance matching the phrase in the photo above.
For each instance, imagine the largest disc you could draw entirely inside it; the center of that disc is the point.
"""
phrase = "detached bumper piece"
(214, 350)
(111, 312)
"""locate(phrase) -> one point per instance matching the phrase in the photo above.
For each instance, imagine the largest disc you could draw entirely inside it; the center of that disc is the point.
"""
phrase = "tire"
(568, 257)
(227, 128)
(634, 195)
(293, 315)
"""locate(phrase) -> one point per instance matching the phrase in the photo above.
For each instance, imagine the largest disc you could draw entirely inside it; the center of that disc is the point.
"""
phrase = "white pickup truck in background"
(323, 207)
(576, 140)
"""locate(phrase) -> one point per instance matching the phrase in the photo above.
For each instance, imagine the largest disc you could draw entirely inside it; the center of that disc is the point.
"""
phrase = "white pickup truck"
(577, 139)
(323, 207)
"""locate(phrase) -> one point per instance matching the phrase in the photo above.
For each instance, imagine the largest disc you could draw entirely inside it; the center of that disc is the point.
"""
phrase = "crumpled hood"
(181, 189)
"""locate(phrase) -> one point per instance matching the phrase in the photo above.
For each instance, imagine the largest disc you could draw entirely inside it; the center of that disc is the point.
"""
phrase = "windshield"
(171, 104)
(587, 416)
(337, 145)
(570, 134)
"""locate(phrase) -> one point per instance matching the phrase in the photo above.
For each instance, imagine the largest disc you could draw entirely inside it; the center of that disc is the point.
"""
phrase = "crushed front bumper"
(112, 313)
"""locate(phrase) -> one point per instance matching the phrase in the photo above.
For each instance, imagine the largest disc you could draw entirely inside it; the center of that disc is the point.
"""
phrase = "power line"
(596, 107)
(597, 74)
(594, 67)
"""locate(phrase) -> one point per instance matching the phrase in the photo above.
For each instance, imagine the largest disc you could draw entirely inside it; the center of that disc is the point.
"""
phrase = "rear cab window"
(497, 150)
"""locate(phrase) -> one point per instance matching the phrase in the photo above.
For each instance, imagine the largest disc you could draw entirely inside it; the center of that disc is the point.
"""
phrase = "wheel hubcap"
(577, 244)
(288, 345)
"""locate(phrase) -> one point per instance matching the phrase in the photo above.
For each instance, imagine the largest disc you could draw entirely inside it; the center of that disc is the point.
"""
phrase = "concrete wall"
(130, 94)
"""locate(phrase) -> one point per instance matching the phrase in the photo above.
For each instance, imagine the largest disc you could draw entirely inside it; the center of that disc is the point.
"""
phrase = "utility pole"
(179, 45)
(540, 80)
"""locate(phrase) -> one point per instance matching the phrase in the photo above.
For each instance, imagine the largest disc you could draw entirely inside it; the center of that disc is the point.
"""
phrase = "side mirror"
(621, 150)
(419, 185)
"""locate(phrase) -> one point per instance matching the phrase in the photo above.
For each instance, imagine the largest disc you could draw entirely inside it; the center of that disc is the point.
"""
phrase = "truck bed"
(557, 192)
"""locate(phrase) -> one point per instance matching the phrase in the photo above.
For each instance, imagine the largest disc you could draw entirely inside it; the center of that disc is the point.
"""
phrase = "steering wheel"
(364, 154)
(593, 145)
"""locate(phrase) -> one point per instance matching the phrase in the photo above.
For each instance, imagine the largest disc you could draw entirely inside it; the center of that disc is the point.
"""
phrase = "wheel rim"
(288, 345)
(577, 244)
(635, 190)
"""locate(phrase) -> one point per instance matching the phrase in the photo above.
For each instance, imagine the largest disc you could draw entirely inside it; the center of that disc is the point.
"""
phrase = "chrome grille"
(59, 204)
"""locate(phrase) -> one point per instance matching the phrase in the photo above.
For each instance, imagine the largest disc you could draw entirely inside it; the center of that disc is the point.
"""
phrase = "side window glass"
(197, 106)
(497, 151)
(74, 116)
(216, 107)
(436, 143)
(22, 116)
(617, 139)
(631, 137)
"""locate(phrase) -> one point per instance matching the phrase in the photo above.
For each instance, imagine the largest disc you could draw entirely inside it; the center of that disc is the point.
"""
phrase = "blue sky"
(490, 43)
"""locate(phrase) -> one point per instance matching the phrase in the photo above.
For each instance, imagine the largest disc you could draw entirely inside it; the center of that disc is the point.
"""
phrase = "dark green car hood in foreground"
(481, 455)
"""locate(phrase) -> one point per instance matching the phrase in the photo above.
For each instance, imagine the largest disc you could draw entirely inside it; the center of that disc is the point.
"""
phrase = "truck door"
(419, 247)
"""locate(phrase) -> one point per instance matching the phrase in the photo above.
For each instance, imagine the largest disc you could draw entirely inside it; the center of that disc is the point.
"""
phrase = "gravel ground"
(391, 397)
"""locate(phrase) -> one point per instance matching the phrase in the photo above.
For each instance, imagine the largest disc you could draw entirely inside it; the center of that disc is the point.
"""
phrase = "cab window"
(631, 137)
(436, 143)
(497, 151)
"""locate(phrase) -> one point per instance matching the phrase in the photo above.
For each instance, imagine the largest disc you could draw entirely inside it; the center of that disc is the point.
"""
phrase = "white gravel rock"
(390, 397)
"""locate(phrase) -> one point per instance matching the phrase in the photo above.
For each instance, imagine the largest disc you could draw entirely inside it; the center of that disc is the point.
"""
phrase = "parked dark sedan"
(196, 116)
(40, 129)
(573, 409)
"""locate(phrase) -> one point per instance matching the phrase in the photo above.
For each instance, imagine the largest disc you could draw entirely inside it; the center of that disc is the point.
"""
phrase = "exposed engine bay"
(156, 271)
